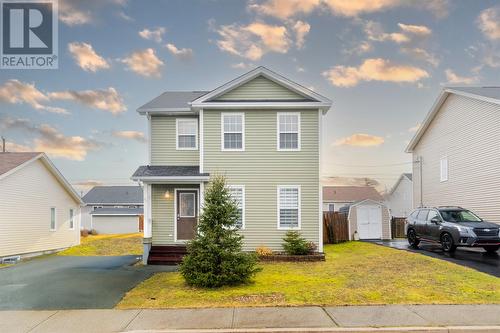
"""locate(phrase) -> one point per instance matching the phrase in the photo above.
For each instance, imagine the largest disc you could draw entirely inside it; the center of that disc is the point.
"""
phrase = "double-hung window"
(238, 195)
(288, 131)
(52, 219)
(71, 219)
(288, 207)
(233, 131)
(187, 133)
(443, 165)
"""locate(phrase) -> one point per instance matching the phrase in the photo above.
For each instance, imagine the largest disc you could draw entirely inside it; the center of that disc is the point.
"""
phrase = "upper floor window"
(71, 219)
(288, 131)
(238, 194)
(288, 207)
(52, 218)
(233, 131)
(443, 165)
(187, 133)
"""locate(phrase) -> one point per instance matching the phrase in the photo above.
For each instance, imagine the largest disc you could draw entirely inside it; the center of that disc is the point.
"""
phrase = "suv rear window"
(422, 215)
(414, 214)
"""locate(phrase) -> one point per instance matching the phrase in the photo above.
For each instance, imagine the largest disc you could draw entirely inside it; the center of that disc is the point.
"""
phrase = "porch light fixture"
(167, 195)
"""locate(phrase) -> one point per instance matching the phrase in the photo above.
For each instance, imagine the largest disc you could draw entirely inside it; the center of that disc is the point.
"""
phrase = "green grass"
(5, 265)
(354, 273)
(106, 245)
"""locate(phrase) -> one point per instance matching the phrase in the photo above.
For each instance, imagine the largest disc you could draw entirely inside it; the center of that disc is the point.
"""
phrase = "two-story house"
(262, 131)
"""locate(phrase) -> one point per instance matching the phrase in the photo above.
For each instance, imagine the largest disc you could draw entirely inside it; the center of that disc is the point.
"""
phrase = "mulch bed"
(282, 257)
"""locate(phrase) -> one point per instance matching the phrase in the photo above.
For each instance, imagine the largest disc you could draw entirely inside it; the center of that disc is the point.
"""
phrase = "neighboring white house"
(456, 152)
(39, 210)
(369, 219)
(400, 198)
(336, 197)
(113, 209)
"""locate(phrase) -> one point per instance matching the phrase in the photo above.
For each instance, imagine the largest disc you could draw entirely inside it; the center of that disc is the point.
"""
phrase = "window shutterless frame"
(443, 169)
(187, 120)
(278, 131)
(278, 197)
(71, 219)
(53, 219)
(222, 132)
(242, 204)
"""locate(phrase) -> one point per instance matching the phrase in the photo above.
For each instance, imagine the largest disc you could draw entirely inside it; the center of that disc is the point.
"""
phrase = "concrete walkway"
(393, 318)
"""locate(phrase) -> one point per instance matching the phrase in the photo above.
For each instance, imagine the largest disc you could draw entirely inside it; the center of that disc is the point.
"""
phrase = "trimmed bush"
(295, 244)
(215, 257)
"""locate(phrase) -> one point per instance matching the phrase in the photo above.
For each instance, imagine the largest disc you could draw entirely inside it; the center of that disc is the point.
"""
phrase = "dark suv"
(451, 227)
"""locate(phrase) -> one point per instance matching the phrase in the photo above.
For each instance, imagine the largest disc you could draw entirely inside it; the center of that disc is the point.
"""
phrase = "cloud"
(360, 140)
(144, 62)
(16, 92)
(183, 54)
(489, 22)
(421, 54)
(419, 30)
(86, 57)
(89, 183)
(301, 30)
(359, 48)
(284, 9)
(49, 140)
(254, 40)
(242, 65)
(70, 14)
(415, 128)
(376, 69)
(354, 8)
(107, 100)
(407, 34)
(454, 78)
(154, 34)
(133, 135)
(124, 16)
(15, 147)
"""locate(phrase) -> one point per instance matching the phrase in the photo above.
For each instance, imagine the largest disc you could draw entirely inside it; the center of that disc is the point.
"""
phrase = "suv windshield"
(459, 216)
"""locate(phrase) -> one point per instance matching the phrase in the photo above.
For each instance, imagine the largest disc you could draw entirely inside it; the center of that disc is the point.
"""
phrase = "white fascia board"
(166, 180)
(261, 105)
(474, 96)
(168, 111)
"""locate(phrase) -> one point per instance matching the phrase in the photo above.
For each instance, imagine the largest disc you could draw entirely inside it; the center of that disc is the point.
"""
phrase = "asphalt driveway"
(64, 282)
(475, 258)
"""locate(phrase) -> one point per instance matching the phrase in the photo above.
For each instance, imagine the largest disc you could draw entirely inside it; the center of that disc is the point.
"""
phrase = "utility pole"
(3, 144)
(419, 161)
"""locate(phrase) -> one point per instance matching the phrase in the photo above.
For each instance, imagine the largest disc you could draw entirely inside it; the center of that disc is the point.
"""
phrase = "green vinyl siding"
(163, 212)
(258, 89)
(261, 168)
(163, 144)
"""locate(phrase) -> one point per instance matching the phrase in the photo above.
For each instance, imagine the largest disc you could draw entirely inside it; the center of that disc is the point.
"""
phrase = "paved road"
(470, 257)
(60, 282)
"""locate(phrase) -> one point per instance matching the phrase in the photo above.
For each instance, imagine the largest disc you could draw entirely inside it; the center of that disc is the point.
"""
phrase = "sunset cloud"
(106, 100)
(408, 33)
(153, 34)
(373, 70)
(71, 15)
(421, 54)
(144, 63)
(360, 140)
(183, 54)
(489, 22)
(132, 135)
(284, 9)
(301, 30)
(454, 78)
(86, 57)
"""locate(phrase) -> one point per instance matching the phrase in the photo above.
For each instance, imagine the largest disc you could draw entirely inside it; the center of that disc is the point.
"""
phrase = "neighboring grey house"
(400, 197)
(113, 209)
(39, 210)
(456, 152)
(336, 197)
(262, 131)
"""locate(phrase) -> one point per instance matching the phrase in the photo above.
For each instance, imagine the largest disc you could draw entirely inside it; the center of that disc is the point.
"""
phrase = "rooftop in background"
(488, 92)
(118, 211)
(172, 100)
(114, 195)
(9, 161)
(350, 193)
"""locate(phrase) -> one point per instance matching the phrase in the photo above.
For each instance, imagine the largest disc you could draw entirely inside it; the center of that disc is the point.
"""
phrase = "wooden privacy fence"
(398, 227)
(335, 228)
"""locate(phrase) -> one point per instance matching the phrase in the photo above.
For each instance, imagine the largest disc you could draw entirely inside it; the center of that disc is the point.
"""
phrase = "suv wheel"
(412, 238)
(491, 248)
(447, 243)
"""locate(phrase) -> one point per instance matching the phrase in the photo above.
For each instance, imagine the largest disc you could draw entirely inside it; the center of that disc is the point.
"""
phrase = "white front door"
(369, 222)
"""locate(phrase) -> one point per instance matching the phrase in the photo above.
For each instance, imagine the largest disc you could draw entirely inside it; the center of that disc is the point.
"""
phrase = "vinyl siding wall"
(400, 202)
(261, 169)
(26, 197)
(163, 143)
(465, 130)
(258, 89)
(115, 224)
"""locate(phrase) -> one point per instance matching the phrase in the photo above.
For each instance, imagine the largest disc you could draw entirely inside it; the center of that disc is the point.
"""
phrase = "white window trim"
(242, 114)
(278, 114)
(441, 160)
(177, 134)
(242, 187)
(55, 219)
(71, 217)
(278, 207)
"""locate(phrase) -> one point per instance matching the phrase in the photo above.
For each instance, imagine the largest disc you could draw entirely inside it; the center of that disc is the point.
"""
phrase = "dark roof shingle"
(114, 195)
(172, 100)
(168, 171)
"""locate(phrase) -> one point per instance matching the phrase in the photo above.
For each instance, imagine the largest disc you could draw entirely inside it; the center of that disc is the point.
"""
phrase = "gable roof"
(487, 94)
(12, 162)
(171, 101)
(350, 193)
(409, 176)
(114, 195)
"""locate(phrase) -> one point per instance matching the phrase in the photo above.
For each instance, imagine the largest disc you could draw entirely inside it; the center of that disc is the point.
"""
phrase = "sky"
(381, 62)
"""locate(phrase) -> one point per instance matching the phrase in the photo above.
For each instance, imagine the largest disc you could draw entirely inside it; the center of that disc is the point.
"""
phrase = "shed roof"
(350, 193)
(114, 195)
(145, 171)
(9, 161)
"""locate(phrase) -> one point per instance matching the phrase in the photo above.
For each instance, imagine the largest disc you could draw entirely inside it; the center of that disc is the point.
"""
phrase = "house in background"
(336, 197)
(400, 197)
(262, 131)
(113, 209)
(39, 210)
(456, 152)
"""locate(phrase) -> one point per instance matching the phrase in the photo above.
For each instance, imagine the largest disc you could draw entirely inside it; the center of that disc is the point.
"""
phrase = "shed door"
(369, 222)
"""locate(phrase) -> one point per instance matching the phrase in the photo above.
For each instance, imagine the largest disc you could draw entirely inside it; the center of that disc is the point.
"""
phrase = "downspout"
(421, 190)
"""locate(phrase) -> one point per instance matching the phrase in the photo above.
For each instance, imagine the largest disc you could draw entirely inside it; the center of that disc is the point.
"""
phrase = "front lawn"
(354, 273)
(106, 245)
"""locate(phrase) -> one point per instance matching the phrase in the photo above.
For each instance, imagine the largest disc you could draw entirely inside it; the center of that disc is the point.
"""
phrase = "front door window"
(187, 214)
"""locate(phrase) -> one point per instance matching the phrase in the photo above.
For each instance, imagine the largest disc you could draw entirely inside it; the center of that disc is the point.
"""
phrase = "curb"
(441, 329)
